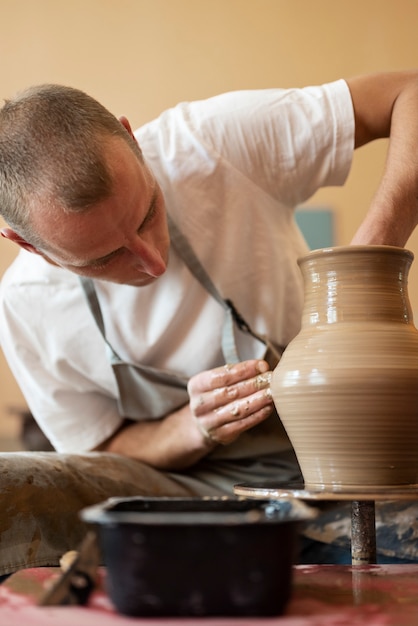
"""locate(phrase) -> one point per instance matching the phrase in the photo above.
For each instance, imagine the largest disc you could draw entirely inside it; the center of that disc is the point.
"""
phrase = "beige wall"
(141, 56)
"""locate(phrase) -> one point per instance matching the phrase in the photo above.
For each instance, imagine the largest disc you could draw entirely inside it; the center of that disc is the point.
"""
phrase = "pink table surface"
(323, 595)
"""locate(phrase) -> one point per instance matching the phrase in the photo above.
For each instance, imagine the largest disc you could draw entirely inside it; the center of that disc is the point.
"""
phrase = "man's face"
(123, 239)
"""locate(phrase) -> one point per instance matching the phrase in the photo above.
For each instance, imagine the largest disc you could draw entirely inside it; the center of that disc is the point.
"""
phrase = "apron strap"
(232, 316)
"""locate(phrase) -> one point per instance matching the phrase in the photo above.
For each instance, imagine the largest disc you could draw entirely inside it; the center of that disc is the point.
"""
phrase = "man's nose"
(149, 258)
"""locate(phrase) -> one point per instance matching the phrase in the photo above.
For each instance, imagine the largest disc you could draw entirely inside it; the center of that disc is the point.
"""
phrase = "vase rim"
(356, 249)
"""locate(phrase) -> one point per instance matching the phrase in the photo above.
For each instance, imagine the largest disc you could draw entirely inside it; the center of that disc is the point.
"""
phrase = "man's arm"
(224, 402)
(386, 105)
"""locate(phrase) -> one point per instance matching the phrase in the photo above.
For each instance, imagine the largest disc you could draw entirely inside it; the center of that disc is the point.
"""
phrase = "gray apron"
(146, 392)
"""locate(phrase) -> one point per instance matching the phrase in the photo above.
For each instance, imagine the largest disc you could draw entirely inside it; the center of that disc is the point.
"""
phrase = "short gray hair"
(52, 140)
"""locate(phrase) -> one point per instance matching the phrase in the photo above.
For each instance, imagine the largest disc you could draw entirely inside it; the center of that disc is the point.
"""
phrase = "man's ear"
(124, 121)
(9, 233)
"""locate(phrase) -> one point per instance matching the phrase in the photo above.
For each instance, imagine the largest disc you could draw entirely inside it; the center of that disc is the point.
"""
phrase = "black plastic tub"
(197, 556)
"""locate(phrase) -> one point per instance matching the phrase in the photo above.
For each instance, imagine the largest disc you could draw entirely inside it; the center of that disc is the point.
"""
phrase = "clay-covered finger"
(226, 375)
(219, 397)
(244, 407)
(227, 433)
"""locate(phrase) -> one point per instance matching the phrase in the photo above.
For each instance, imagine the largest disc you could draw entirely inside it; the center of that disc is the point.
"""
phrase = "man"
(181, 241)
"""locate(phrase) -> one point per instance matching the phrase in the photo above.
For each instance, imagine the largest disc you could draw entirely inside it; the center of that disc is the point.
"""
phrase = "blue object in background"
(317, 227)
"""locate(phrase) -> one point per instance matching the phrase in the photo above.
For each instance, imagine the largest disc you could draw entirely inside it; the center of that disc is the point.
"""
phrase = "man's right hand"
(229, 400)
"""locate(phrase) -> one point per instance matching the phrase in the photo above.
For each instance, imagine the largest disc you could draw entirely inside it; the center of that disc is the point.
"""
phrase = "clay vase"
(346, 387)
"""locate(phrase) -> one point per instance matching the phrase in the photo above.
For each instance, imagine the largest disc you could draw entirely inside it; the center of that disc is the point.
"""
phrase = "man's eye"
(150, 215)
(99, 265)
(102, 263)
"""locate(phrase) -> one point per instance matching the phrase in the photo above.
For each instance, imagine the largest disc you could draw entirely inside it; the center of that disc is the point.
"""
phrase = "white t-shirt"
(232, 169)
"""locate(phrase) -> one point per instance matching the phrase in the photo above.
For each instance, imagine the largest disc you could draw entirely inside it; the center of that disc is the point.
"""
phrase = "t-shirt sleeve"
(58, 358)
(290, 141)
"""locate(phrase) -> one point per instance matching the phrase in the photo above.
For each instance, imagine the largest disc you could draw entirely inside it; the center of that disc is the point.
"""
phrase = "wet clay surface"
(327, 595)
(346, 388)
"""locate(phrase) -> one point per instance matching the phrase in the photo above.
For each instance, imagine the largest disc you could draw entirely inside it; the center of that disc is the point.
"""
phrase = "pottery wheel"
(363, 525)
